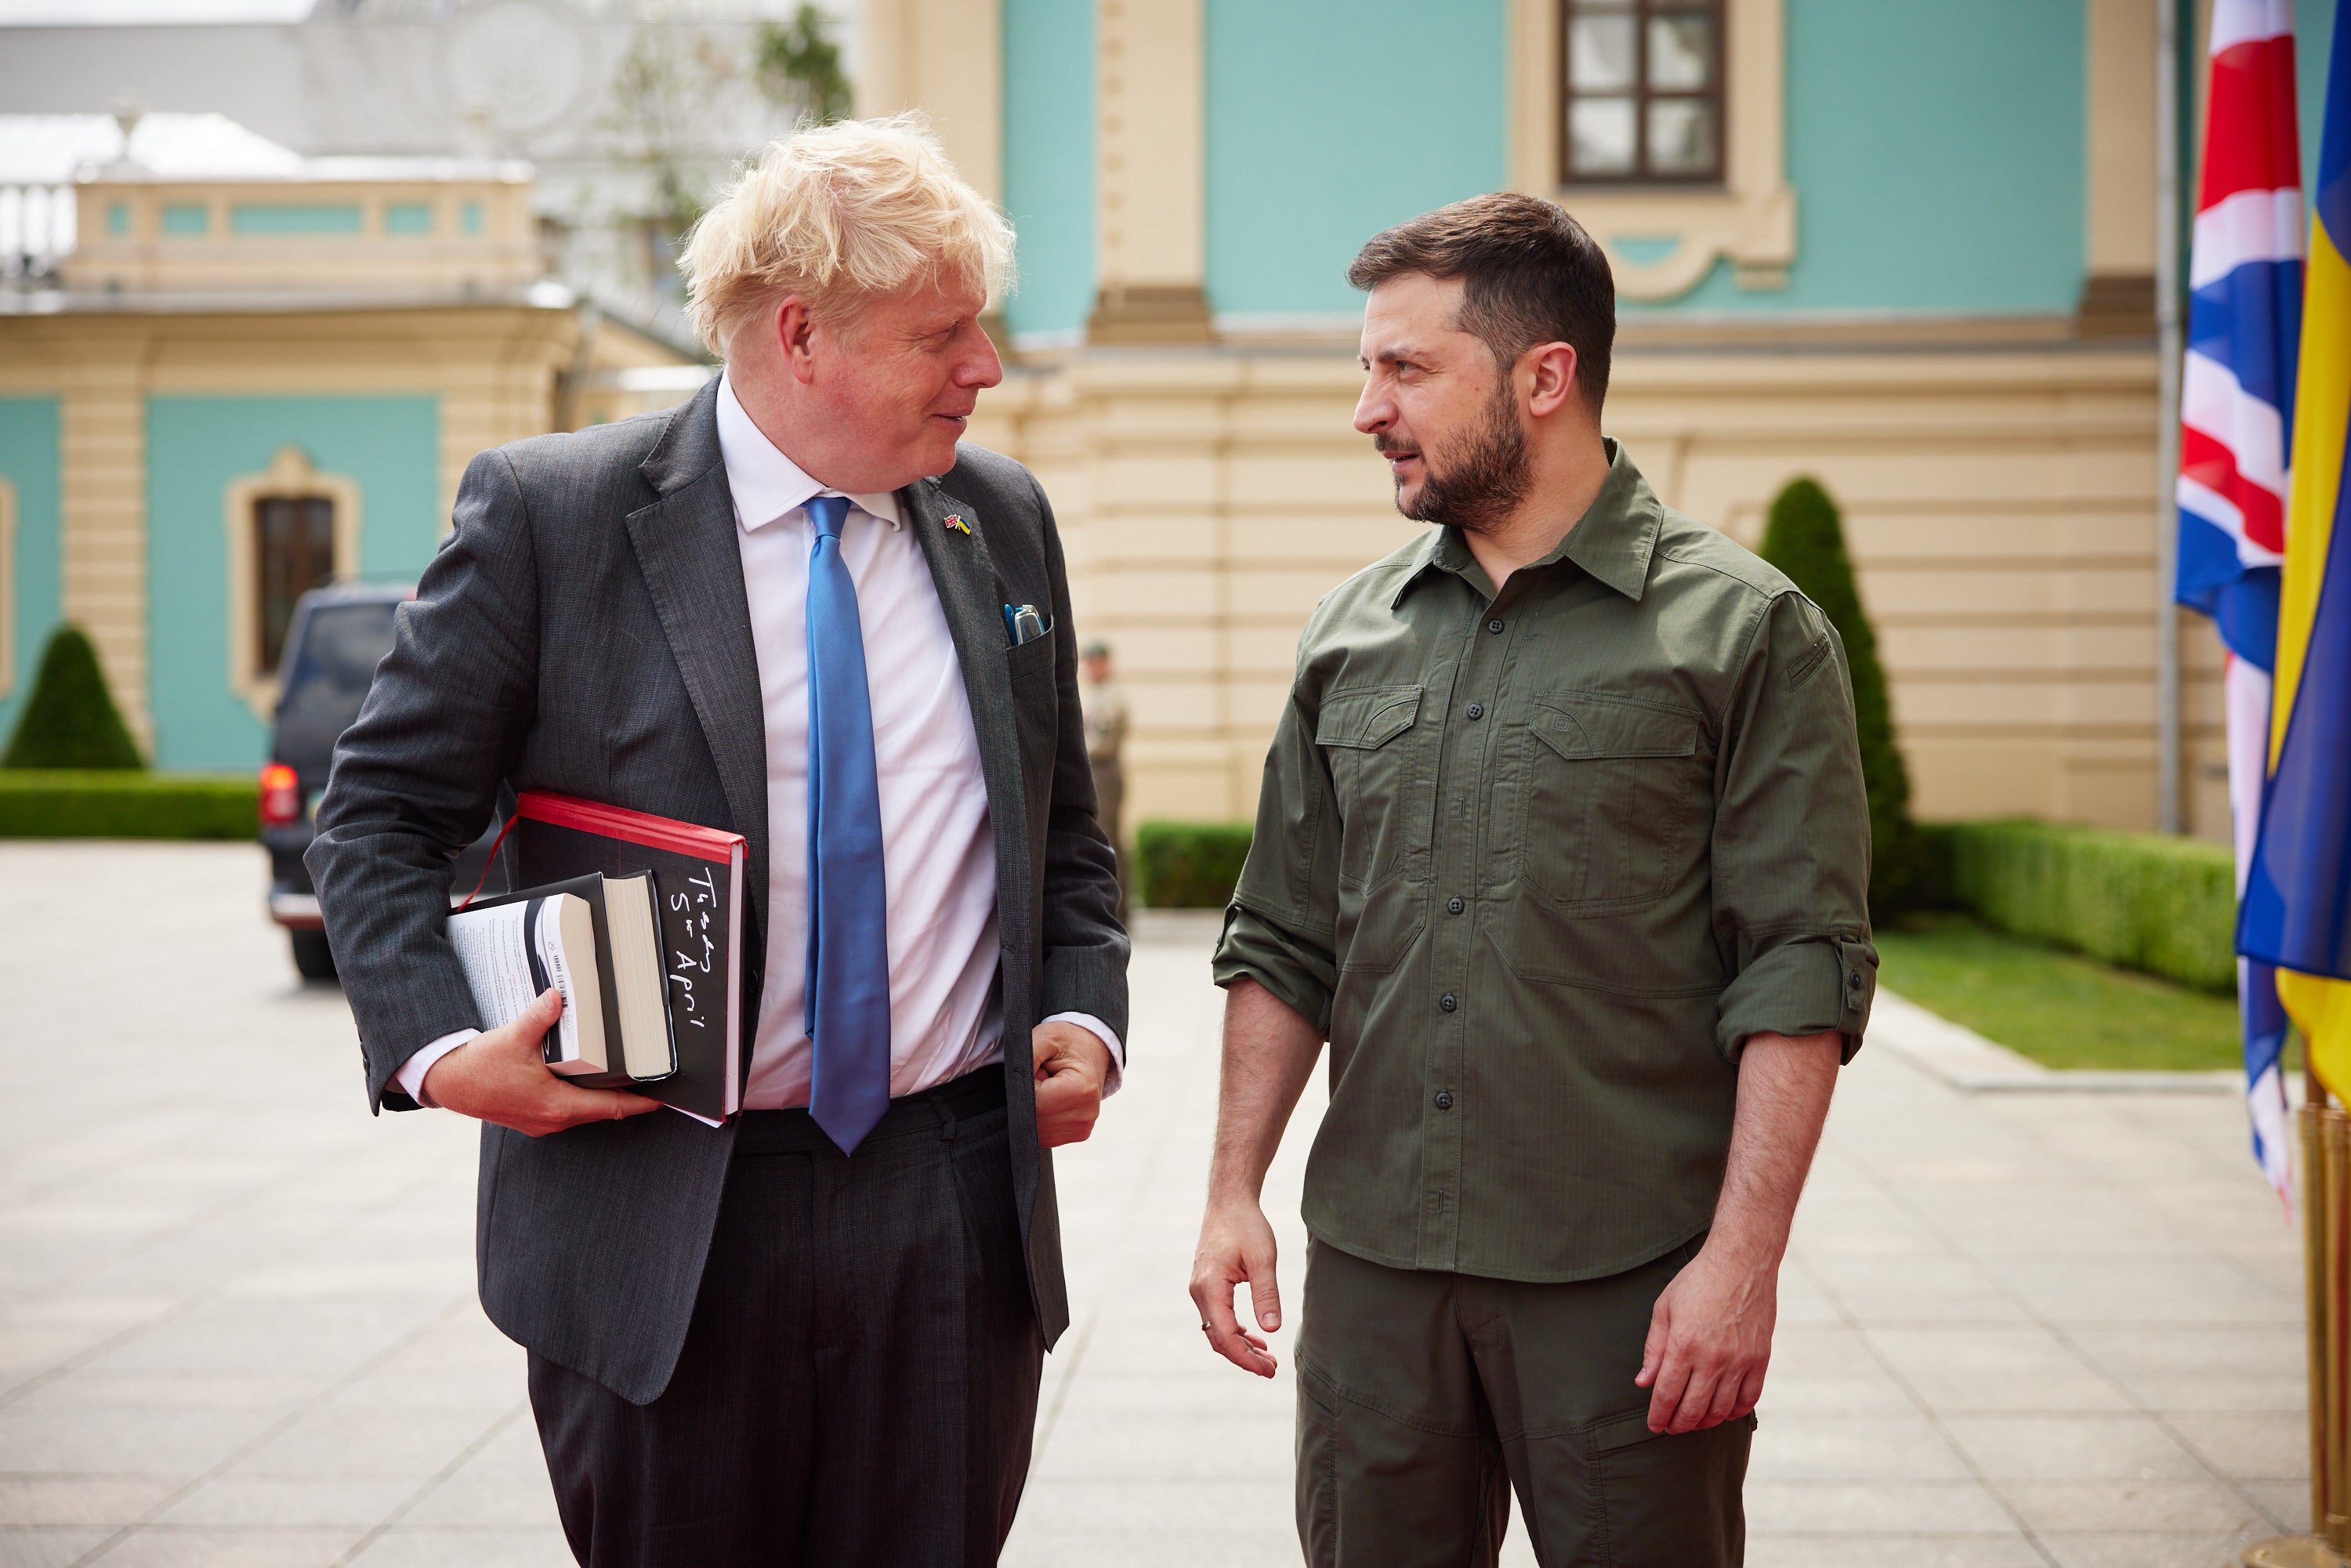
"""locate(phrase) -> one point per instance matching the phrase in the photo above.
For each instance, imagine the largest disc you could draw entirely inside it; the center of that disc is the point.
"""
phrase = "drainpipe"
(2169, 347)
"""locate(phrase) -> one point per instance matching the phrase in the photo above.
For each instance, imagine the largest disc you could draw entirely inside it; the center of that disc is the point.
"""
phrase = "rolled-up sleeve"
(1792, 840)
(1280, 928)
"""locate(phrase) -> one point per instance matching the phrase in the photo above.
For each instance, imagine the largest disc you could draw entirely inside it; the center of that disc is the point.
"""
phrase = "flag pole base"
(2290, 1551)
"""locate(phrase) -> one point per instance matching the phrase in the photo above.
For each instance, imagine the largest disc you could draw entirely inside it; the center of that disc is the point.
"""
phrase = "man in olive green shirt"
(1563, 846)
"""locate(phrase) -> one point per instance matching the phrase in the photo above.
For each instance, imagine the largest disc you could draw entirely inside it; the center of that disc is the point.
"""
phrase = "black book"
(696, 878)
(597, 940)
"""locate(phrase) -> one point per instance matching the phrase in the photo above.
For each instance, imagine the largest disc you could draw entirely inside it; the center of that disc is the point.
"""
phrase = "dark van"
(338, 636)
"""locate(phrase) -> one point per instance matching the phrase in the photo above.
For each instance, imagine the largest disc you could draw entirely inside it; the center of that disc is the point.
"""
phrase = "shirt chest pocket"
(1368, 739)
(1613, 790)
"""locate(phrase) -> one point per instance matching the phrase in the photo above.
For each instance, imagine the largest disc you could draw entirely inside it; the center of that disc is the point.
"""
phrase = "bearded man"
(1561, 846)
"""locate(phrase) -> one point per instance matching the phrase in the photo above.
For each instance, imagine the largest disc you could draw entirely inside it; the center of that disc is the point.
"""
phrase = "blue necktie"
(849, 947)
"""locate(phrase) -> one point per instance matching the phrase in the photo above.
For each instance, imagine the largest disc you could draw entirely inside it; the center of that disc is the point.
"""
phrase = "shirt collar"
(767, 485)
(1612, 541)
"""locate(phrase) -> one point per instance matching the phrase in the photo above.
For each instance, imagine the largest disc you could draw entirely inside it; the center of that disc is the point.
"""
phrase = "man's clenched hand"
(1072, 1065)
(498, 1076)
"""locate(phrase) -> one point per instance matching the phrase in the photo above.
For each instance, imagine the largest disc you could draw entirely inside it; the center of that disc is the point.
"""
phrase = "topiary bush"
(2145, 901)
(1805, 537)
(71, 720)
(1190, 865)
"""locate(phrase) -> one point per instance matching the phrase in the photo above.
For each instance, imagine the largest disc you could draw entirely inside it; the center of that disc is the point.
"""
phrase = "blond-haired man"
(814, 1334)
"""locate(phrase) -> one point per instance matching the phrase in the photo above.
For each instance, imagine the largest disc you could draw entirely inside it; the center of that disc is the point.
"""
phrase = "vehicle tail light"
(281, 796)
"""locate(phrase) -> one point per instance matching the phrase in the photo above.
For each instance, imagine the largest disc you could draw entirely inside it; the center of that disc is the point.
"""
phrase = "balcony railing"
(36, 233)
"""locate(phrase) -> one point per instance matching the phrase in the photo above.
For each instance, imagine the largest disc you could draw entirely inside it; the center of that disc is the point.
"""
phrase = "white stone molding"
(290, 476)
(1663, 240)
(1151, 173)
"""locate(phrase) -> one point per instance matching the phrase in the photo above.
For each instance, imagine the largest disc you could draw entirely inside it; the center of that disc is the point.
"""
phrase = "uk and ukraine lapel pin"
(954, 520)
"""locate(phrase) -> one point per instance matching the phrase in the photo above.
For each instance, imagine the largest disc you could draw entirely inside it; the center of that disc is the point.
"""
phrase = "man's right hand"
(500, 1077)
(1237, 1245)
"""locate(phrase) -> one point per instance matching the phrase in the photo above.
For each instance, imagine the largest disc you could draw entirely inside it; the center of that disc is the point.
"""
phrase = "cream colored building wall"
(502, 252)
(943, 58)
(2000, 506)
(102, 498)
(2120, 186)
(1150, 173)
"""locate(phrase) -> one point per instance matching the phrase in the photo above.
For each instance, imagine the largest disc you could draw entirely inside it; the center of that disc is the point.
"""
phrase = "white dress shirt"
(938, 849)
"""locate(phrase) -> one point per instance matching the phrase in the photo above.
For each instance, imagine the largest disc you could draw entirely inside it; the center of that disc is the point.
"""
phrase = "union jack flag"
(2236, 411)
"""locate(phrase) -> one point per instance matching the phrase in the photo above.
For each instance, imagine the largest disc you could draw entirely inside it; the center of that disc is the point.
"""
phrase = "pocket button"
(1447, 1002)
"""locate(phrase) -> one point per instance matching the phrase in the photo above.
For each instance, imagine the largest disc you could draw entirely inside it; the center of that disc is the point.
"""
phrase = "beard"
(1480, 483)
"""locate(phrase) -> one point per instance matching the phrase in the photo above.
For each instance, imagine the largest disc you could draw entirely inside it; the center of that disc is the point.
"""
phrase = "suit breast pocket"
(1032, 660)
(1611, 790)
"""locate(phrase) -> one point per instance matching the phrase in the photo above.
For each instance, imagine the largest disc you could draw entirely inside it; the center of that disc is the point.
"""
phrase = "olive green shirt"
(1538, 863)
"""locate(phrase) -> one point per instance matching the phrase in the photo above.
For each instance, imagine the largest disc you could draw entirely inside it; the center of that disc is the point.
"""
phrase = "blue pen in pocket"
(1022, 624)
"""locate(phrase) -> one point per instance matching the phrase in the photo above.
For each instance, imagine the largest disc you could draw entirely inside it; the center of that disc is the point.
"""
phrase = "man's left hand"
(1711, 1340)
(1072, 1064)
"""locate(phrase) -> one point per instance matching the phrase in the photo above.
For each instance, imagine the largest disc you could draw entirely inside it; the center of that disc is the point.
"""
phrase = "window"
(1665, 232)
(294, 551)
(290, 529)
(1641, 91)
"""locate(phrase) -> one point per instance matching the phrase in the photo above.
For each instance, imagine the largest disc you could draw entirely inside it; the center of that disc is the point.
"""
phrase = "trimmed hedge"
(2144, 901)
(71, 720)
(1190, 865)
(1805, 539)
(78, 803)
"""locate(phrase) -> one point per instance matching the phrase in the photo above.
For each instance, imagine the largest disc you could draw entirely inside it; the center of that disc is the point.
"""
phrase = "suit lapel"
(687, 547)
(972, 598)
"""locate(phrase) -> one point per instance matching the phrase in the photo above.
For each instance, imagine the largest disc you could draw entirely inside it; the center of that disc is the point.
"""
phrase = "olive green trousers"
(1424, 1398)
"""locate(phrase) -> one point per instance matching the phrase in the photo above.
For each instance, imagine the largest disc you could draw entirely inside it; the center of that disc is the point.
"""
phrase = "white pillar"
(1151, 154)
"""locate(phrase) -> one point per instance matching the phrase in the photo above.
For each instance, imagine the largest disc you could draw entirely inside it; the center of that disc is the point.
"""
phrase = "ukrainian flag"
(2296, 913)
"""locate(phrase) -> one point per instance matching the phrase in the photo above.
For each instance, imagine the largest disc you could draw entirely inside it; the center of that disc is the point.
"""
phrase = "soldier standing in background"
(1105, 717)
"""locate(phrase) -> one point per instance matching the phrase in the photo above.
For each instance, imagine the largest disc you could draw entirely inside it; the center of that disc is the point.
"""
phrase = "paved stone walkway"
(238, 1325)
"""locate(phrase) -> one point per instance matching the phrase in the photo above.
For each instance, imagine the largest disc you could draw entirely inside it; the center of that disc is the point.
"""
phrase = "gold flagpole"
(2325, 1151)
(2313, 1248)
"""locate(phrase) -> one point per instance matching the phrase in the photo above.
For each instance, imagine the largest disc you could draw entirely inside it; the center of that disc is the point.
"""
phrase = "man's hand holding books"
(501, 1076)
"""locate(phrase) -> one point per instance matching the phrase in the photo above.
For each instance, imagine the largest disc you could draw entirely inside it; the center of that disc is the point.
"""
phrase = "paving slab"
(2021, 1326)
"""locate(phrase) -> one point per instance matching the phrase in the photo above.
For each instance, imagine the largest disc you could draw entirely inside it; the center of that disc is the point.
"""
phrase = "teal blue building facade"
(31, 570)
(386, 447)
(1912, 250)
(1936, 151)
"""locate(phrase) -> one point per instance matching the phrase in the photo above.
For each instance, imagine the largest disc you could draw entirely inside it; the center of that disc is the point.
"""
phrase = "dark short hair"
(1529, 274)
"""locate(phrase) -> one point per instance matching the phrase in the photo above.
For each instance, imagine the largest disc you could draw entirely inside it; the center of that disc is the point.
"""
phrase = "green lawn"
(2057, 1007)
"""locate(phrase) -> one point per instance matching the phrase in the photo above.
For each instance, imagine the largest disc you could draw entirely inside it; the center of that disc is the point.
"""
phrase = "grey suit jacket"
(585, 630)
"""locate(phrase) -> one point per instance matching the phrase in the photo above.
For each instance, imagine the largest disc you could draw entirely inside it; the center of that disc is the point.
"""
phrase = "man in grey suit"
(813, 1334)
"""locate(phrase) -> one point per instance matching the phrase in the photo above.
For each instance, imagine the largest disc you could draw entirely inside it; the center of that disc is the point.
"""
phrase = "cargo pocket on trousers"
(1665, 1499)
(1318, 1469)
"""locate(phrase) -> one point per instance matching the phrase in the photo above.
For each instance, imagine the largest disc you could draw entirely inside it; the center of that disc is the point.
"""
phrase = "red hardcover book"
(698, 881)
